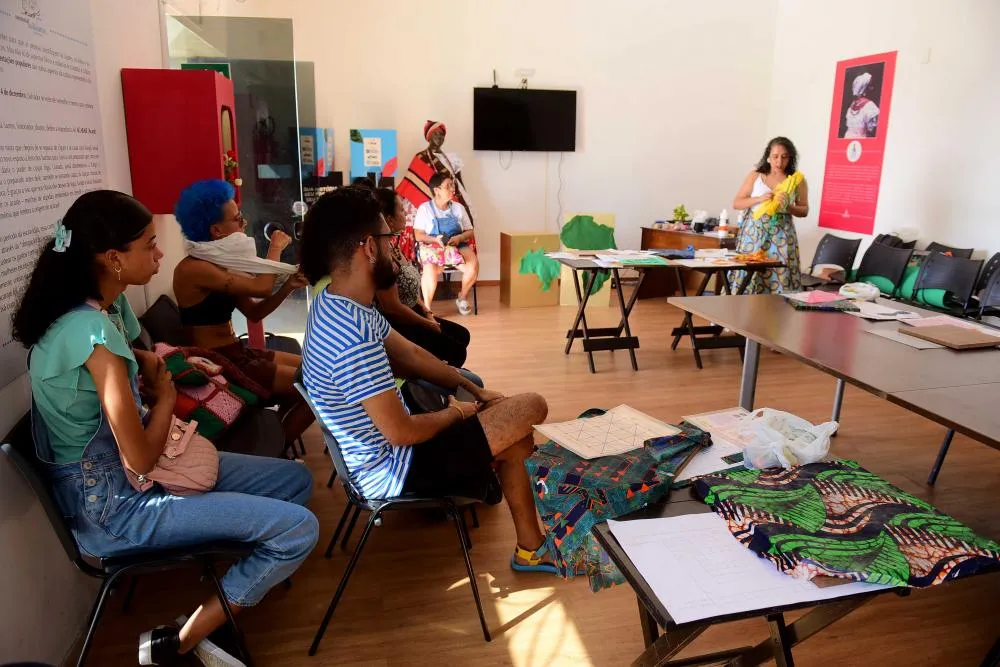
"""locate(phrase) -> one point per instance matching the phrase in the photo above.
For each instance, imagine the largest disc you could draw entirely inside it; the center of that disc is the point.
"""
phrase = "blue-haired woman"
(222, 273)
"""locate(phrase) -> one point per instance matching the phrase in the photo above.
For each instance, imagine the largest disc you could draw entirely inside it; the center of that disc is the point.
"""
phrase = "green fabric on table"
(582, 232)
(834, 518)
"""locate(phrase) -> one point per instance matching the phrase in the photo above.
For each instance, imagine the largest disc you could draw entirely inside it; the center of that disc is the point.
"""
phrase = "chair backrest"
(992, 264)
(956, 275)
(333, 448)
(19, 449)
(964, 253)
(836, 250)
(885, 261)
(163, 322)
(989, 296)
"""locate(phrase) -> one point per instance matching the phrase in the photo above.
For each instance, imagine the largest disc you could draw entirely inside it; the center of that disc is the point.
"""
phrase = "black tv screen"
(515, 119)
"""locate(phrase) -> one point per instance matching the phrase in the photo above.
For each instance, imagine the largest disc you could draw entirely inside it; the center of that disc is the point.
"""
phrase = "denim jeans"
(256, 500)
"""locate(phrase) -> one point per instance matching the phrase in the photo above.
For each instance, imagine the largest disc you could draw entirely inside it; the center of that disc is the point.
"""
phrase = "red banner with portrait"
(859, 123)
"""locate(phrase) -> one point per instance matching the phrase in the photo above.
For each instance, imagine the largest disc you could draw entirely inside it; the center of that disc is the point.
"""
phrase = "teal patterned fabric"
(573, 495)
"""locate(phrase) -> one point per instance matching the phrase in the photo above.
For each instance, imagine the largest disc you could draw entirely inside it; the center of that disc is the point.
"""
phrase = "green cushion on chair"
(882, 283)
(909, 281)
(932, 297)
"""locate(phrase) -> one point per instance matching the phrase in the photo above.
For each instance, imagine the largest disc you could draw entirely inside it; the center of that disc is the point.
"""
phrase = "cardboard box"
(519, 290)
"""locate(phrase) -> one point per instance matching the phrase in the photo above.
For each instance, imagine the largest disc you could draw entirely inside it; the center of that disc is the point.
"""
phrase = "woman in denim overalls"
(87, 417)
(444, 235)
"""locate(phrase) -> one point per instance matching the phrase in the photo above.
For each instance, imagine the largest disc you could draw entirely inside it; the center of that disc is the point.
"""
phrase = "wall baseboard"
(479, 283)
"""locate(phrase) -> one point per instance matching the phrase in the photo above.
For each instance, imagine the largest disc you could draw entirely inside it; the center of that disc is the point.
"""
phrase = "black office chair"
(831, 250)
(377, 507)
(964, 253)
(881, 260)
(19, 450)
(957, 276)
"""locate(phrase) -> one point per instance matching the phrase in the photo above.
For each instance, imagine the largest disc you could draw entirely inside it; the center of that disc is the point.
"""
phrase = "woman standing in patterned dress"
(774, 234)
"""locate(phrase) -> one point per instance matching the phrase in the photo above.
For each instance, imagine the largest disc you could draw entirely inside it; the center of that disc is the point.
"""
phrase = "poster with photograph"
(859, 122)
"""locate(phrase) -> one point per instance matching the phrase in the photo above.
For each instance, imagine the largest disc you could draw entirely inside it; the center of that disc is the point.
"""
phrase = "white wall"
(942, 156)
(672, 101)
(45, 600)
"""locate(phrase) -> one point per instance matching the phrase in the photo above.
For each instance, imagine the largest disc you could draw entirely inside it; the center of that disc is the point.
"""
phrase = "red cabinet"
(180, 124)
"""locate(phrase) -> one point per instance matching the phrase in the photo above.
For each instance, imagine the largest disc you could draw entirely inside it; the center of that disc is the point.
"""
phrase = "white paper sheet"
(912, 341)
(726, 424)
(699, 570)
(710, 459)
(617, 431)
(562, 255)
(876, 311)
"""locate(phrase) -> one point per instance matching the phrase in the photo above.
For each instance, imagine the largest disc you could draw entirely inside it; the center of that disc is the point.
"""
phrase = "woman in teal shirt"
(88, 419)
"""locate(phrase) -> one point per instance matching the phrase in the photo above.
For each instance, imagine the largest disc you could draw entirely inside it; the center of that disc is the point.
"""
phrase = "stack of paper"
(724, 427)
(698, 570)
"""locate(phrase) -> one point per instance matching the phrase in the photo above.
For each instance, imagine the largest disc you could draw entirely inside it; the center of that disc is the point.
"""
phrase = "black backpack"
(894, 241)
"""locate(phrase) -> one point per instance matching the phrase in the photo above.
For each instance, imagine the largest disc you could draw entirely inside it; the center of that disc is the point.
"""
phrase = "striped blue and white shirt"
(344, 363)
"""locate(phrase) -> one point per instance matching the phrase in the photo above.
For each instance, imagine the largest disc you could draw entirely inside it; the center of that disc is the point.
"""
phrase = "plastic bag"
(780, 439)
(862, 291)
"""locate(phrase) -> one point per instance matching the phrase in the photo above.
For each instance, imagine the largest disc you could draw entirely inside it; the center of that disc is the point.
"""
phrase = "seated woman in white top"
(444, 237)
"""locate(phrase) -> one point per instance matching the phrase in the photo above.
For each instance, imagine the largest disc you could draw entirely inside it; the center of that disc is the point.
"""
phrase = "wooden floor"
(409, 601)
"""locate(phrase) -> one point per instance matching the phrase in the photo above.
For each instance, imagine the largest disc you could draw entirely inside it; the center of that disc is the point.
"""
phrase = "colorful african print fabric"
(839, 520)
(574, 494)
(776, 236)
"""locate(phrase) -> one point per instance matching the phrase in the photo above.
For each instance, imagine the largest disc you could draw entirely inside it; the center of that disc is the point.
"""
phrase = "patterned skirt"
(440, 256)
(776, 236)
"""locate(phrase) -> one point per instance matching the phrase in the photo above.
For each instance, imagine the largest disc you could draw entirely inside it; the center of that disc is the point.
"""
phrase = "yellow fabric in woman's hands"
(786, 187)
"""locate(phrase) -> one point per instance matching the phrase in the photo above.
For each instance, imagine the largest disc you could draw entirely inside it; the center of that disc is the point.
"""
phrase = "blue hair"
(200, 206)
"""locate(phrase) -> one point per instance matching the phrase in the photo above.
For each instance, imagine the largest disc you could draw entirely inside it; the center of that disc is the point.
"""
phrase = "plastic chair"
(20, 452)
(884, 261)
(831, 250)
(956, 275)
(964, 253)
(986, 295)
(989, 297)
(377, 507)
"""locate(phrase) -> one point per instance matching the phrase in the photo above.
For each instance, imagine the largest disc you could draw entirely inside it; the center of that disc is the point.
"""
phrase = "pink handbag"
(189, 463)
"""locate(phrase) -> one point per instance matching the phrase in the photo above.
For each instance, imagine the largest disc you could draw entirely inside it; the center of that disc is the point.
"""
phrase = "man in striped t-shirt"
(349, 360)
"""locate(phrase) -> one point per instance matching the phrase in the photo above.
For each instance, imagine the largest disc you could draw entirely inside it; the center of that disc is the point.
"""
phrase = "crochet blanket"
(214, 399)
